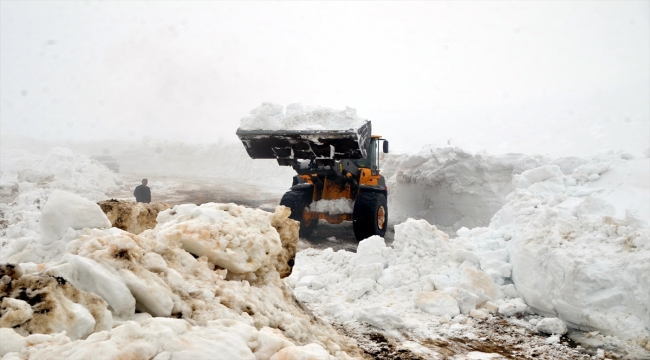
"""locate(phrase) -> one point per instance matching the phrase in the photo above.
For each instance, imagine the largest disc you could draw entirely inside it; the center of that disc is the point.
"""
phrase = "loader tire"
(370, 215)
(297, 201)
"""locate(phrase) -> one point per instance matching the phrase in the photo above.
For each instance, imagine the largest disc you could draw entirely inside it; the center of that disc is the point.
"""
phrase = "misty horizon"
(481, 75)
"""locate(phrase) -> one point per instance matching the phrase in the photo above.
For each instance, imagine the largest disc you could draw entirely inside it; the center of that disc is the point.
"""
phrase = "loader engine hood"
(307, 144)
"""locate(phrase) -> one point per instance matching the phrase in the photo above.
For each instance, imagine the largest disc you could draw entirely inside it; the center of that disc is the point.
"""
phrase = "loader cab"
(377, 144)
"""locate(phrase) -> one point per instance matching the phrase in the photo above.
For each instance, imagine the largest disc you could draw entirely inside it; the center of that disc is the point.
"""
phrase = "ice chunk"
(88, 275)
(512, 307)
(15, 312)
(151, 294)
(359, 287)
(398, 275)
(530, 177)
(552, 326)
(380, 317)
(595, 206)
(367, 271)
(10, 341)
(437, 303)
(64, 210)
(370, 251)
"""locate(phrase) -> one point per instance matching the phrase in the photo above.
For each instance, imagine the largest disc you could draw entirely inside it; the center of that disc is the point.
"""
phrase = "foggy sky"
(495, 75)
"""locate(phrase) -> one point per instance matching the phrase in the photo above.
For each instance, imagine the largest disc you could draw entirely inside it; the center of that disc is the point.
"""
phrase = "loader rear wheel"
(370, 215)
(298, 202)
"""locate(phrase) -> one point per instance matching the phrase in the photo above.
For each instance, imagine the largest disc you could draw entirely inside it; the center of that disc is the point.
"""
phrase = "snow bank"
(453, 188)
(214, 269)
(556, 247)
(270, 116)
(450, 187)
(131, 216)
(572, 258)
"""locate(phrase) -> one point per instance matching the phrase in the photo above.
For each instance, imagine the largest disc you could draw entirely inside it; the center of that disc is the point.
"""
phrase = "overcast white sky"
(555, 77)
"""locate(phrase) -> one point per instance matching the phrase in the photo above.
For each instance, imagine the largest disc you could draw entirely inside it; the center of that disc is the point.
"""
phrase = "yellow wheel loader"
(331, 165)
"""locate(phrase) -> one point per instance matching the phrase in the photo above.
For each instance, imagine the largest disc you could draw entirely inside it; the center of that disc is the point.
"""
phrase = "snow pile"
(572, 257)
(45, 304)
(26, 182)
(235, 238)
(131, 216)
(556, 248)
(213, 268)
(269, 116)
(389, 286)
(333, 207)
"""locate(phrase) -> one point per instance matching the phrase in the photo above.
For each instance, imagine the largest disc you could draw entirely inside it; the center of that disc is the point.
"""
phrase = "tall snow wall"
(452, 188)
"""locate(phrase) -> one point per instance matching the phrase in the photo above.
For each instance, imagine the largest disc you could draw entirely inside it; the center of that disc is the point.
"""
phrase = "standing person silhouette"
(142, 192)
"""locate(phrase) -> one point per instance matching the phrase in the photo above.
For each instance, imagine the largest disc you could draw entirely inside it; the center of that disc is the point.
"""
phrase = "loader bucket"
(307, 144)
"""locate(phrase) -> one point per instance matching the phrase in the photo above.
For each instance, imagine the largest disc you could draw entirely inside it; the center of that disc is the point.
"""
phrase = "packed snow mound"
(131, 216)
(333, 207)
(269, 116)
(239, 239)
(214, 268)
(64, 210)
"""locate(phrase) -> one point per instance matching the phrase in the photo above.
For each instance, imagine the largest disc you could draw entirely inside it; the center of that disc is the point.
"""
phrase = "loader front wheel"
(370, 215)
(298, 202)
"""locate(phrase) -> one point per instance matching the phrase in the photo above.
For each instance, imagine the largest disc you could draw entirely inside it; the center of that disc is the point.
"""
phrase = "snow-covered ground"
(534, 247)
(557, 248)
